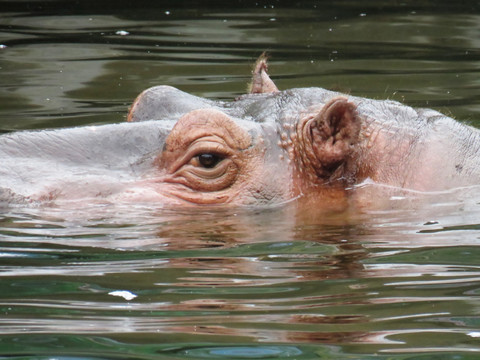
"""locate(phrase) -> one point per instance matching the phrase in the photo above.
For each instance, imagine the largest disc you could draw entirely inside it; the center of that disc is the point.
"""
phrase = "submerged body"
(266, 147)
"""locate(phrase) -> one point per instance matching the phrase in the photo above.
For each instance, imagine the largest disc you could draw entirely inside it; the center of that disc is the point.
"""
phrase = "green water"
(257, 283)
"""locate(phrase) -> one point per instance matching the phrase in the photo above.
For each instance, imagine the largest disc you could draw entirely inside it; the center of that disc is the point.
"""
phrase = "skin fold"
(266, 147)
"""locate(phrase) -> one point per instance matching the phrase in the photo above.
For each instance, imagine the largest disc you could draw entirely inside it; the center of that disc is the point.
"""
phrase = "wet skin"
(266, 147)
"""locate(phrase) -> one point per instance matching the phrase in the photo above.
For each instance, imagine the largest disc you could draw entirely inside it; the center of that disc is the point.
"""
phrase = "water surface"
(102, 281)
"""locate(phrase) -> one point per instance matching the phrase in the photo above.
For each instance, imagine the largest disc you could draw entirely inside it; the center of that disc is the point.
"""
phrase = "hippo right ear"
(333, 133)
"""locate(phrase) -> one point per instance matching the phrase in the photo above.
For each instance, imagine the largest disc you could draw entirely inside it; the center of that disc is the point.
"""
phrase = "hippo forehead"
(169, 103)
(166, 102)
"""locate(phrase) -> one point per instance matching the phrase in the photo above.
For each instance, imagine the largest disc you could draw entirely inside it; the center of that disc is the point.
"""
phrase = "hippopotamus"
(265, 147)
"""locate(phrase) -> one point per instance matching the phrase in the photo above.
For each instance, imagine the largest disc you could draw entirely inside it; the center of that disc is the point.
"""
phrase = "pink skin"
(321, 153)
(268, 147)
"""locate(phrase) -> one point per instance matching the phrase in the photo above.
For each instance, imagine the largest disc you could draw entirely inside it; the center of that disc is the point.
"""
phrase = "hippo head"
(265, 147)
(272, 146)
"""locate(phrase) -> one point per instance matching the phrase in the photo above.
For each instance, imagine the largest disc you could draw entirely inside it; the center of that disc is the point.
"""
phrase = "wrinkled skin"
(306, 142)
(266, 147)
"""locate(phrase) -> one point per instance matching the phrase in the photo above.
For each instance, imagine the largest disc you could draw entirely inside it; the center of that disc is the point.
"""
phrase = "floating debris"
(127, 295)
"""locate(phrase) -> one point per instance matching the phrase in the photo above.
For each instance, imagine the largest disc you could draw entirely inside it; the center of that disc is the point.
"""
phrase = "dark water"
(402, 282)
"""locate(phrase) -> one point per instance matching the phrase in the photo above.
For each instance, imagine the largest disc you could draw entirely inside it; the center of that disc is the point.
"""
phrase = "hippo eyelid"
(198, 148)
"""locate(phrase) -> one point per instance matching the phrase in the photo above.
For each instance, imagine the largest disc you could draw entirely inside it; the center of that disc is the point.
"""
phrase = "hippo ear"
(261, 82)
(334, 131)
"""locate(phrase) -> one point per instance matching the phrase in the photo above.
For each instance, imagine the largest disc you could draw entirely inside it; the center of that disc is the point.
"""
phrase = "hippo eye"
(209, 160)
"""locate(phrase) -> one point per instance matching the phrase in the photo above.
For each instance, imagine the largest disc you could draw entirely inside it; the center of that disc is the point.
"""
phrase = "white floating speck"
(3, 46)
(127, 295)
(474, 334)
(122, 33)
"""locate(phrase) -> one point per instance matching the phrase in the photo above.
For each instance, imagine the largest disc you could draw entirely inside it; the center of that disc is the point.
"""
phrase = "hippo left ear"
(334, 131)
(261, 82)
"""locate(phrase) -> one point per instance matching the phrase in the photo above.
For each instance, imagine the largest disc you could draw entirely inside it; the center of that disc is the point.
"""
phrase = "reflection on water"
(397, 281)
(388, 281)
